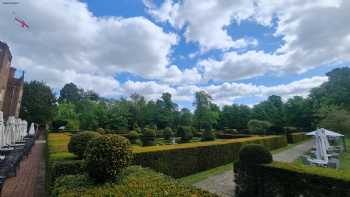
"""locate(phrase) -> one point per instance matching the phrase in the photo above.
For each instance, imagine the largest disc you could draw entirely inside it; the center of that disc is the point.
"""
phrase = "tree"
(258, 126)
(206, 113)
(137, 108)
(186, 117)
(70, 93)
(67, 116)
(337, 120)
(271, 110)
(299, 113)
(167, 109)
(234, 117)
(38, 103)
(336, 91)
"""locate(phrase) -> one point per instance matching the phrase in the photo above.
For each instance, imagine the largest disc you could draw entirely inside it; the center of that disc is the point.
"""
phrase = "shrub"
(133, 136)
(185, 159)
(79, 141)
(185, 133)
(136, 181)
(148, 137)
(72, 125)
(253, 154)
(168, 133)
(66, 167)
(297, 137)
(100, 131)
(208, 136)
(230, 131)
(286, 179)
(106, 156)
(258, 126)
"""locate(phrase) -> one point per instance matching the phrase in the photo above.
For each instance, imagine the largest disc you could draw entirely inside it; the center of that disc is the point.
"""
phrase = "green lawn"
(345, 158)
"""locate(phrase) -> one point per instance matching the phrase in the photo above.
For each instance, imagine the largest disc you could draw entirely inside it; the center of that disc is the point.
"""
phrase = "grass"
(345, 158)
(205, 174)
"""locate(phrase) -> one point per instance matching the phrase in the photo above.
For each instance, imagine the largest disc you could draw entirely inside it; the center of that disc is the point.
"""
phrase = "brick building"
(11, 88)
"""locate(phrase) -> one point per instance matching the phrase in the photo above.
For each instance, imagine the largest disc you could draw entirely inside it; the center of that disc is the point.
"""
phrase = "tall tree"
(167, 109)
(205, 118)
(299, 113)
(38, 103)
(70, 93)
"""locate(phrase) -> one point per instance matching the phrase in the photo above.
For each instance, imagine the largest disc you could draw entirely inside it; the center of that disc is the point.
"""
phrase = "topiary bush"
(106, 157)
(133, 137)
(148, 137)
(253, 154)
(100, 131)
(168, 133)
(208, 136)
(185, 133)
(79, 141)
(250, 156)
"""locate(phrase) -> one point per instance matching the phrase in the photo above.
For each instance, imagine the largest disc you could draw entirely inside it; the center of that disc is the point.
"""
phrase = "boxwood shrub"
(286, 179)
(185, 159)
(77, 143)
(136, 181)
(66, 167)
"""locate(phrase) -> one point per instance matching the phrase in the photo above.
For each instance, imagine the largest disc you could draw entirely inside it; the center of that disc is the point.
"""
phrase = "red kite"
(22, 22)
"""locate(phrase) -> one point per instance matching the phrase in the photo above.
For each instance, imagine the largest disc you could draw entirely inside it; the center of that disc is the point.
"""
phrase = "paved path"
(223, 185)
(30, 178)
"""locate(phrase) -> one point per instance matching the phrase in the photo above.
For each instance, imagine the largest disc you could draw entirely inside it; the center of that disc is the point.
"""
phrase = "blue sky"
(238, 51)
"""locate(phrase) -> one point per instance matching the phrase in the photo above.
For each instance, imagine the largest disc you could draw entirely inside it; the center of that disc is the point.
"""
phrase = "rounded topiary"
(100, 131)
(133, 136)
(148, 137)
(253, 154)
(208, 136)
(168, 133)
(79, 141)
(185, 133)
(106, 157)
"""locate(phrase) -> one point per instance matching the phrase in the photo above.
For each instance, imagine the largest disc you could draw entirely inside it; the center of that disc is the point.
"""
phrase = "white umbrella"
(327, 132)
(2, 131)
(32, 129)
(321, 150)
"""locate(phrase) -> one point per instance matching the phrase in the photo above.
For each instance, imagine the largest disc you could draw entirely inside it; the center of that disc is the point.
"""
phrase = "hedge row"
(285, 179)
(66, 167)
(135, 181)
(293, 138)
(186, 159)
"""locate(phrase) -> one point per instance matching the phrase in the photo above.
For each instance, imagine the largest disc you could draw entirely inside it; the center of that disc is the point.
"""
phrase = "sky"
(238, 51)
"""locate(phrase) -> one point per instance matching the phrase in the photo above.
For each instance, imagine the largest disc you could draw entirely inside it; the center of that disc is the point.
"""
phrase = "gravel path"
(223, 185)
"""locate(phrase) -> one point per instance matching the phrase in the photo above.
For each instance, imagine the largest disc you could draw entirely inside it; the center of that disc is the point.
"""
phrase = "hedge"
(66, 167)
(185, 159)
(292, 180)
(136, 181)
(293, 138)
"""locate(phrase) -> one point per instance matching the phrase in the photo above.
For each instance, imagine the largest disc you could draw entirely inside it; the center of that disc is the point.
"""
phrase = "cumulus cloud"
(205, 22)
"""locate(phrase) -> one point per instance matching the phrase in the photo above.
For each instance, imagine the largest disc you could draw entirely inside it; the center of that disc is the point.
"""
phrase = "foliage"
(66, 167)
(186, 133)
(168, 133)
(133, 136)
(70, 93)
(38, 103)
(284, 180)
(258, 126)
(206, 114)
(100, 131)
(106, 156)
(208, 136)
(148, 137)
(136, 181)
(185, 159)
(300, 113)
(234, 116)
(293, 138)
(337, 120)
(253, 154)
(79, 141)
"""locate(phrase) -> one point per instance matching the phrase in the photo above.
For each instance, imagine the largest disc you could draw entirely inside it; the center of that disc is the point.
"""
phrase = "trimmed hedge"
(185, 159)
(293, 138)
(68, 167)
(136, 181)
(285, 179)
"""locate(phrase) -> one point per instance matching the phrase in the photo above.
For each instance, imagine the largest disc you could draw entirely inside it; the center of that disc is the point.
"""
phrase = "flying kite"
(22, 23)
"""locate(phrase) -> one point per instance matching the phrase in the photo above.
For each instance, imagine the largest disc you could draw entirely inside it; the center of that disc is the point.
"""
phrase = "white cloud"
(205, 22)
